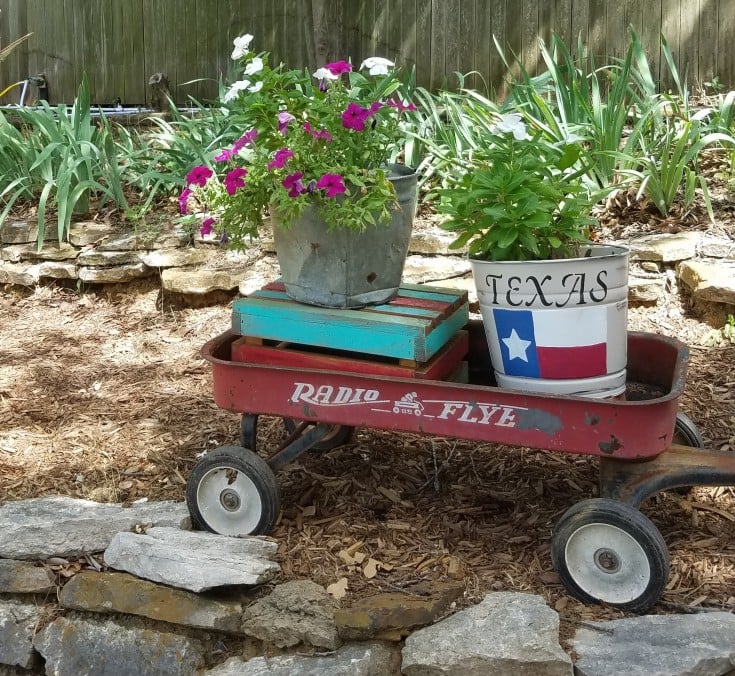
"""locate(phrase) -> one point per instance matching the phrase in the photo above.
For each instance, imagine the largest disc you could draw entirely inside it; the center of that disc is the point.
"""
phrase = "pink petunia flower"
(375, 107)
(339, 67)
(199, 175)
(225, 155)
(293, 184)
(321, 134)
(333, 183)
(400, 106)
(245, 139)
(355, 116)
(207, 226)
(184, 200)
(235, 179)
(284, 118)
(279, 159)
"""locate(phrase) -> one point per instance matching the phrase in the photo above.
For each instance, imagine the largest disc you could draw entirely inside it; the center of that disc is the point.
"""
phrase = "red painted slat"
(443, 364)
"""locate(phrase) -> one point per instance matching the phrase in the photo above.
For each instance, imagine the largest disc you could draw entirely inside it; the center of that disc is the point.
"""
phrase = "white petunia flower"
(377, 65)
(256, 87)
(255, 66)
(242, 45)
(512, 123)
(325, 74)
(235, 89)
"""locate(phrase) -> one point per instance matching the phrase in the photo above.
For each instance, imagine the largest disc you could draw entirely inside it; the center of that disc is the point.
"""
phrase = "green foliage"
(518, 197)
(60, 159)
(606, 105)
(670, 164)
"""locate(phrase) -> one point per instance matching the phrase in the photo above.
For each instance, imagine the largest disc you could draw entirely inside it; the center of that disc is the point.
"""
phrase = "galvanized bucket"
(342, 268)
(557, 326)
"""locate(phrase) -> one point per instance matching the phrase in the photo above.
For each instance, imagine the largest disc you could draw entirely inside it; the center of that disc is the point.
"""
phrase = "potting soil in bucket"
(558, 326)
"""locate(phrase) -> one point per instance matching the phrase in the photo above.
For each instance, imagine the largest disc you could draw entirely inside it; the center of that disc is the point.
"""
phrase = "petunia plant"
(326, 138)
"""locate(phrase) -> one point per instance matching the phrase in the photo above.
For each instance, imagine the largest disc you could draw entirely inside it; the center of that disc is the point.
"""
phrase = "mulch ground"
(104, 396)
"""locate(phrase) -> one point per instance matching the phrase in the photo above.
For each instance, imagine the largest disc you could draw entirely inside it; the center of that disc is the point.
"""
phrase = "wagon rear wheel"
(686, 433)
(233, 491)
(608, 552)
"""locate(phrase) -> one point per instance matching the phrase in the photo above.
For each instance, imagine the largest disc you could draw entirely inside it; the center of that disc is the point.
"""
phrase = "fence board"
(121, 43)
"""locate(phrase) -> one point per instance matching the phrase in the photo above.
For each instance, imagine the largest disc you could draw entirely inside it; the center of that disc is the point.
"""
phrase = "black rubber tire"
(601, 546)
(686, 433)
(249, 431)
(338, 435)
(236, 474)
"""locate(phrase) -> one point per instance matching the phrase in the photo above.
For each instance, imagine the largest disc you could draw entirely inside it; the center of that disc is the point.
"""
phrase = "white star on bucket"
(516, 346)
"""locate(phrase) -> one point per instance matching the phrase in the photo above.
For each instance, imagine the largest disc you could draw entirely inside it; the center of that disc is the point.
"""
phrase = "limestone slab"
(61, 526)
(193, 560)
(187, 281)
(174, 258)
(665, 247)
(23, 577)
(709, 280)
(22, 231)
(114, 275)
(18, 622)
(108, 592)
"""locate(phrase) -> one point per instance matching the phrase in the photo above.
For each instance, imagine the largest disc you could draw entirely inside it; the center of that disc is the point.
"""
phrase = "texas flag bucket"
(561, 329)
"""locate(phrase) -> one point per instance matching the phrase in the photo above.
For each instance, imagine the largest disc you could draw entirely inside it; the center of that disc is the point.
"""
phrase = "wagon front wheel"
(233, 491)
(606, 551)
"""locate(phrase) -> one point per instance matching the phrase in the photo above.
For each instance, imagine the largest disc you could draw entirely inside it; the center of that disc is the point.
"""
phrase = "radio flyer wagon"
(419, 365)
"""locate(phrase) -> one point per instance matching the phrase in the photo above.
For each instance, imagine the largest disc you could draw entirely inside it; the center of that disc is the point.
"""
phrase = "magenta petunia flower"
(375, 107)
(184, 200)
(199, 175)
(400, 106)
(293, 184)
(339, 67)
(279, 159)
(333, 183)
(207, 227)
(245, 139)
(321, 134)
(235, 179)
(225, 155)
(284, 118)
(354, 117)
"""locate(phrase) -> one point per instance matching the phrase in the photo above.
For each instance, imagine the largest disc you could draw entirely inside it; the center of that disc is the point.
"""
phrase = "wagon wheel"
(338, 435)
(249, 431)
(233, 491)
(607, 551)
(686, 433)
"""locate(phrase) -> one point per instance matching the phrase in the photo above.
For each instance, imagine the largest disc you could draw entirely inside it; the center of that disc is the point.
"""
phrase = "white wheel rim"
(607, 563)
(229, 502)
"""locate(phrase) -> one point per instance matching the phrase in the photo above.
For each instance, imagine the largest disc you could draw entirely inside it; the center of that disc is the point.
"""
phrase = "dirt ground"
(104, 396)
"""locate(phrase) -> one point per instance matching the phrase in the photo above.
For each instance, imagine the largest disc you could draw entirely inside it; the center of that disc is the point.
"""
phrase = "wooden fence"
(121, 43)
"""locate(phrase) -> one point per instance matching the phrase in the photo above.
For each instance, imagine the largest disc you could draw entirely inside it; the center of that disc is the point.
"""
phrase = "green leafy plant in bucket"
(519, 198)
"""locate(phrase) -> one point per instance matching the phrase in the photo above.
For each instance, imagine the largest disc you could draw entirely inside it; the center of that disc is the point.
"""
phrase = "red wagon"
(604, 549)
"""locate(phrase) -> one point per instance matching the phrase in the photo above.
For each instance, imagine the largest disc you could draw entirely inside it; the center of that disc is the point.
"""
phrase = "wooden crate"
(444, 365)
(413, 326)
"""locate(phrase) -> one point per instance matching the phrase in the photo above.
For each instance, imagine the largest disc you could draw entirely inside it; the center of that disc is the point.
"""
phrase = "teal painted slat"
(277, 321)
(400, 337)
(443, 333)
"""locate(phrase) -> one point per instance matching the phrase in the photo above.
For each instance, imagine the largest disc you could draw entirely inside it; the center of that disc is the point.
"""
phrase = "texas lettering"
(575, 288)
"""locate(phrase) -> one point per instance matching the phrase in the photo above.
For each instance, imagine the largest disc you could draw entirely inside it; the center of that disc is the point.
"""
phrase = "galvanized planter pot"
(341, 268)
(557, 326)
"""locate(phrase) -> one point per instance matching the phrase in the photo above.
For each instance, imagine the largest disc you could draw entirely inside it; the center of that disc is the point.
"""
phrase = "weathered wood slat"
(440, 367)
(397, 331)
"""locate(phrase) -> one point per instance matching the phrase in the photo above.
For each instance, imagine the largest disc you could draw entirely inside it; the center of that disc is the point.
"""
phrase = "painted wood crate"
(413, 326)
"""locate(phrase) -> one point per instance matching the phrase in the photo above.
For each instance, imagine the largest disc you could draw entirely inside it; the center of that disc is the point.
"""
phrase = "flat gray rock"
(506, 634)
(700, 644)
(356, 659)
(23, 577)
(193, 560)
(18, 622)
(90, 647)
(59, 526)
